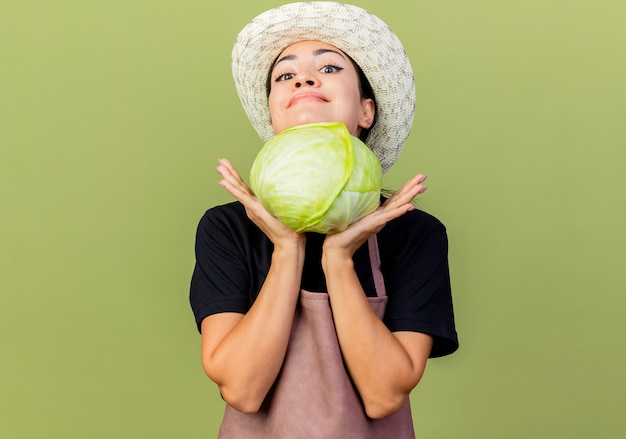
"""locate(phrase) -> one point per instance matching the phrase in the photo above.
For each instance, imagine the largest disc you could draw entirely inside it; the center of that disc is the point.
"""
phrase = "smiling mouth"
(306, 97)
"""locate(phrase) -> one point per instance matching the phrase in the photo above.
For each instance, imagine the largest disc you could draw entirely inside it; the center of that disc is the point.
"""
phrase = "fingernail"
(422, 190)
(423, 178)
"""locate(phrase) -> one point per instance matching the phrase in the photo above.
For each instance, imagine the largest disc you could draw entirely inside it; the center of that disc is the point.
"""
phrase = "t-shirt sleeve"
(418, 285)
(220, 281)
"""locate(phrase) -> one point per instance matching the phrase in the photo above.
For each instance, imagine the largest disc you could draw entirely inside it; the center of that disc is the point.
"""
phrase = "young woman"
(308, 335)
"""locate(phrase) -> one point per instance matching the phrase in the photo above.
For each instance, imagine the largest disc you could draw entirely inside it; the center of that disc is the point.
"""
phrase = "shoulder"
(420, 219)
(416, 241)
(228, 226)
(227, 219)
(230, 213)
(412, 228)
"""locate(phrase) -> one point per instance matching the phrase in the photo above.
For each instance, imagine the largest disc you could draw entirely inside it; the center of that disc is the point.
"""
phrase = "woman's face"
(313, 82)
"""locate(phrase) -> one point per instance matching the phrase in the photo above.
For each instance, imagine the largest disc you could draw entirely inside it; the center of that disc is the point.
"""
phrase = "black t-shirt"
(233, 257)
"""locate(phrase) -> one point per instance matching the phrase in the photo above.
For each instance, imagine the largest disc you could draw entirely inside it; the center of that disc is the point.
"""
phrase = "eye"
(284, 77)
(329, 68)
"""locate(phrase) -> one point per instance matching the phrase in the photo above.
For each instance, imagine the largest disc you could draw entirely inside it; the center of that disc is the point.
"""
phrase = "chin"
(307, 119)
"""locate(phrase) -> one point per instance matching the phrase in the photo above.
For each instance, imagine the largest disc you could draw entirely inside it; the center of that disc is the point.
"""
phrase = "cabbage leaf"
(317, 178)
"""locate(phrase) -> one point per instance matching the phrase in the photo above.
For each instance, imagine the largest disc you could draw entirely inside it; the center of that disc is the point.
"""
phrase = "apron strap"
(379, 282)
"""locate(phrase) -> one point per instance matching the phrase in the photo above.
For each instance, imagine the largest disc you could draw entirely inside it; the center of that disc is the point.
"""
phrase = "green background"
(113, 114)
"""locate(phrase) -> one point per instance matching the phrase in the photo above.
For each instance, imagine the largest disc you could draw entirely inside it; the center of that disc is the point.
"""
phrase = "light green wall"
(113, 114)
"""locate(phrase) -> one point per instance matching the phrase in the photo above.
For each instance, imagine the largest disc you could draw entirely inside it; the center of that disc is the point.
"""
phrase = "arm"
(243, 353)
(384, 366)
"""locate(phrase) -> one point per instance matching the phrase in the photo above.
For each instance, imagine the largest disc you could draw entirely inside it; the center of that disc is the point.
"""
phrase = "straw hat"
(358, 33)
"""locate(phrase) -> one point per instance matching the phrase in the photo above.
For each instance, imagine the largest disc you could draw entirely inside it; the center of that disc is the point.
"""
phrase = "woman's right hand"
(275, 230)
(243, 353)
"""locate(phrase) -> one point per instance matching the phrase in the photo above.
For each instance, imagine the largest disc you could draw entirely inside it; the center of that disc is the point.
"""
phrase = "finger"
(240, 191)
(415, 182)
(407, 192)
(226, 170)
(418, 179)
(395, 206)
(228, 166)
(402, 199)
(231, 179)
(236, 191)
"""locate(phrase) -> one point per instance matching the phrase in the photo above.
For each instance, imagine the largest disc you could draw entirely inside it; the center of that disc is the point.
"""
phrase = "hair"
(365, 90)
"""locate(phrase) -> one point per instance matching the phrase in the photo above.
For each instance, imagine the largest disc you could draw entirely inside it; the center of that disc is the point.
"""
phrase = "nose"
(304, 81)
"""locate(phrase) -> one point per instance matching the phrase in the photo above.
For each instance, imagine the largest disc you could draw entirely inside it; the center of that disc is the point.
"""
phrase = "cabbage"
(317, 178)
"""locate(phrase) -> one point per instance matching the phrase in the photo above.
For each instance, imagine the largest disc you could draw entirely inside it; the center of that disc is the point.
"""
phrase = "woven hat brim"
(353, 30)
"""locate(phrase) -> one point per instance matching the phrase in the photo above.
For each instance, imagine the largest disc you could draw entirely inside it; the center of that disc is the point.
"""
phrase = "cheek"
(275, 114)
(272, 101)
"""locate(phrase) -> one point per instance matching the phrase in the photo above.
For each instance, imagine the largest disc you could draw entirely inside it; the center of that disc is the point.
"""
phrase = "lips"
(306, 97)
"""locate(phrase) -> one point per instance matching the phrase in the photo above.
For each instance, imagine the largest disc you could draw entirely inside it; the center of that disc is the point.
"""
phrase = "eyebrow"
(316, 52)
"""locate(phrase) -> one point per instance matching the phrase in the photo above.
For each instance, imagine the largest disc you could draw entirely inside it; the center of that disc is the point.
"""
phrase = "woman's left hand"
(384, 366)
(347, 242)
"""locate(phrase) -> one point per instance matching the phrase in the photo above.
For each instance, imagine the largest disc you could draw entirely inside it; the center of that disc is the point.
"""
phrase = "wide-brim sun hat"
(358, 33)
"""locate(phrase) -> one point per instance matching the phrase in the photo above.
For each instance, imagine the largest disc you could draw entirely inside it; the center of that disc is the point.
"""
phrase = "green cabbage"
(317, 178)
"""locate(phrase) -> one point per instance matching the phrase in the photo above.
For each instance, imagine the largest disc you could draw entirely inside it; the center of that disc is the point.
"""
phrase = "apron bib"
(313, 396)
